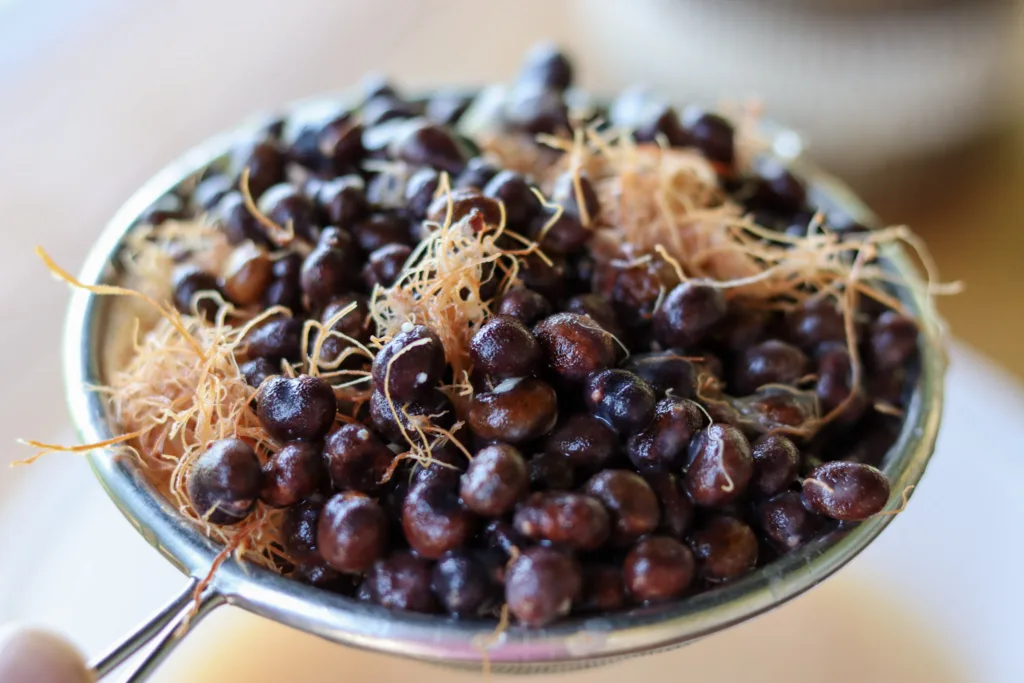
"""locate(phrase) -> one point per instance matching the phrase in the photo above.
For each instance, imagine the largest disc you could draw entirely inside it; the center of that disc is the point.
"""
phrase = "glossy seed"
(515, 411)
(541, 586)
(300, 407)
(352, 532)
(410, 364)
(725, 549)
(658, 568)
(356, 459)
(292, 475)
(223, 482)
(574, 345)
(847, 491)
(720, 465)
(496, 478)
(570, 519)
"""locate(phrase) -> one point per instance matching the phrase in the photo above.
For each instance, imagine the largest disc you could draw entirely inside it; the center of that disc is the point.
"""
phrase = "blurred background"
(917, 102)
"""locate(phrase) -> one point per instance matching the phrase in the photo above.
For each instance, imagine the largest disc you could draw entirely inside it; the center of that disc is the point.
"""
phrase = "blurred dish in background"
(868, 90)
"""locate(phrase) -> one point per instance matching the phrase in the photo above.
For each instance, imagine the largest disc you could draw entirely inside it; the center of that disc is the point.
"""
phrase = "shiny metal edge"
(573, 643)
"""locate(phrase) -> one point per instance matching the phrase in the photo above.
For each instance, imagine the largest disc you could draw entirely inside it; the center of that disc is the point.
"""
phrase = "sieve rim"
(578, 641)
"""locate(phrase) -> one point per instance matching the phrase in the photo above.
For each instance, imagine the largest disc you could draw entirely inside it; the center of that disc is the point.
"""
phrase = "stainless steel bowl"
(572, 644)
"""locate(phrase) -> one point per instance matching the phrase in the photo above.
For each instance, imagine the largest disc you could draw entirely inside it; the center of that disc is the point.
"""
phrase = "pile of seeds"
(543, 365)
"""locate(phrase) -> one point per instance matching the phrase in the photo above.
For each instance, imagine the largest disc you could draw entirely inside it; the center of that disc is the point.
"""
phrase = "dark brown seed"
(356, 459)
(343, 201)
(384, 108)
(286, 206)
(497, 477)
(355, 320)
(265, 161)
(664, 444)
(293, 474)
(770, 362)
(586, 442)
(299, 529)
(661, 121)
(277, 339)
(569, 188)
(447, 107)
(223, 482)
(419, 192)
(776, 461)
(603, 589)
(478, 172)
(598, 308)
(515, 192)
(534, 109)
(209, 193)
(725, 549)
(381, 229)
(541, 586)
(352, 532)
(636, 289)
(546, 65)
(503, 537)
(742, 327)
(409, 365)
(720, 466)
(688, 314)
(547, 278)
(246, 274)
(447, 463)
(236, 222)
(433, 520)
(549, 472)
(504, 348)
(570, 519)
(402, 582)
(430, 145)
(463, 584)
(327, 273)
(786, 523)
(292, 408)
(666, 371)
(630, 502)
(620, 398)
(384, 265)
(676, 506)
(835, 383)
(574, 345)
(285, 289)
(777, 188)
(893, 340)
(525, 305)
(194, 291)
(340, 143)
(649, 119)
(847, 491)
(461, 202)
(711, 134)
(432, 407)
(257, 370)
(558, 233)
(658, 568)
(515, 411)
(815, 322)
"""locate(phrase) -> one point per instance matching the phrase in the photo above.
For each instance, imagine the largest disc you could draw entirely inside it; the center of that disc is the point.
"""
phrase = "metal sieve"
(572, 644)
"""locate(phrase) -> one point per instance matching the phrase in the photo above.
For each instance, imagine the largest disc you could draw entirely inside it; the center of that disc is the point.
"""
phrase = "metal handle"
(167, 627)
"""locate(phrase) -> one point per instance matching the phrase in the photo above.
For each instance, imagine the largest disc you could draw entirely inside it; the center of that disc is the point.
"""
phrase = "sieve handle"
(167, 627)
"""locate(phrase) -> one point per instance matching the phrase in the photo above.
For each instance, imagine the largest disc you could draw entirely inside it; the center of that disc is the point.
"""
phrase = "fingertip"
(33, 656)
